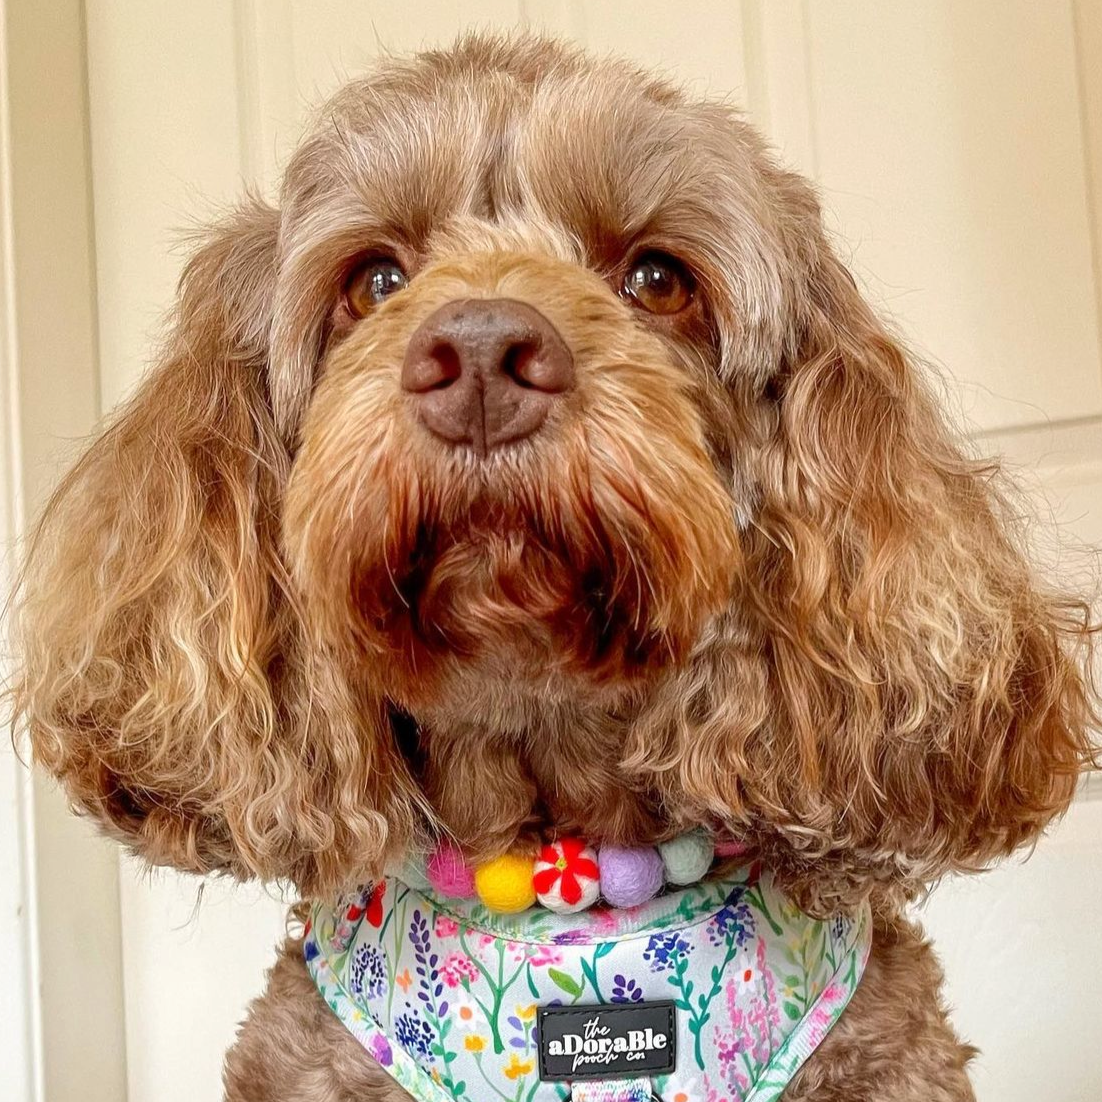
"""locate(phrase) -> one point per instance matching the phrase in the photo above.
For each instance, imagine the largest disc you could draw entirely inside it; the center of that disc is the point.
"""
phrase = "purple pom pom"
(630, 876)
(449, 874)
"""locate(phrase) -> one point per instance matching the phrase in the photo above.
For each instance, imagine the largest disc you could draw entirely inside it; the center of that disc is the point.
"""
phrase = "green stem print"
(805, 953)
(699, 1013)
(756, 897)
(489, 1082)
(532, 1090)
(435, 1009)
(397, 913)
(589, 970)
(498, 986)
(670, 952)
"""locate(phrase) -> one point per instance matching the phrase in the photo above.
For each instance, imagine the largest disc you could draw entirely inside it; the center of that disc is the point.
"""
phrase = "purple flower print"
(413, 1034)
(733, 923)
(367, 974)
(379, 1047)
(625, 990)
(571, 937)
(522, 1022)
(663, 951)
(428, 973)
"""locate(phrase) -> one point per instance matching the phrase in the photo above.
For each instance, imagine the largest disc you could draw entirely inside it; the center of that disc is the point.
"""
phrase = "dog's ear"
(929, 687)
(164, 679)
(896, 695)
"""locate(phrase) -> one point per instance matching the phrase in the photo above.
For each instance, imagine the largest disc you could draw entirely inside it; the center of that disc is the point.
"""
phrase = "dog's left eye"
(659, 284)
(371, 282)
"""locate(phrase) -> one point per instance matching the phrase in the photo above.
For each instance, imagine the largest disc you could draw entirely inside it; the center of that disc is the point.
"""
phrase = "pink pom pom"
(630, 876)
(449, 874)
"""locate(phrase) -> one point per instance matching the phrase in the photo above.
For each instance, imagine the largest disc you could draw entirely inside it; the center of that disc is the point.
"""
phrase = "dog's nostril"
(447, 358)
(521, 364)
(436, 368)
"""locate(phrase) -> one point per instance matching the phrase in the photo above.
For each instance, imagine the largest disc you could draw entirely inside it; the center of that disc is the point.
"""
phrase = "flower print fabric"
(444, 994)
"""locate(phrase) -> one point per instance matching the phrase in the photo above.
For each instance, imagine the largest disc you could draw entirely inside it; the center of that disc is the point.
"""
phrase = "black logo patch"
(608, 1041)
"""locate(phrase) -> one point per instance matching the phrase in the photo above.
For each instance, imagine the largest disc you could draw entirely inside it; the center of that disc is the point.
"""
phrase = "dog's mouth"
(559, 561)
(506, 586)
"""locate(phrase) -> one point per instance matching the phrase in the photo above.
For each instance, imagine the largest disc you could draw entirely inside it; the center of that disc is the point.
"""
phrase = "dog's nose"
(486, 371)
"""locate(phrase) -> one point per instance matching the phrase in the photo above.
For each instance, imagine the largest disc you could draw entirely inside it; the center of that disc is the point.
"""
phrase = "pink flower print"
(605, 920)
(714, 1094)
(752, 1026)
(818, 1022)
(515, 949)
(456, 968)
(342, 935)
(543, 956)
(446, 927)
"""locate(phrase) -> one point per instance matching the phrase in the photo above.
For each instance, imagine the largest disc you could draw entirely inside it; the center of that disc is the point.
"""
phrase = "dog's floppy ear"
(896, 695)
(164, 679)
(932, 699)
(943, 688)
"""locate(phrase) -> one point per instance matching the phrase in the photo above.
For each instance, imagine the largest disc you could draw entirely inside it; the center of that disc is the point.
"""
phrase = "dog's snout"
(486, 371)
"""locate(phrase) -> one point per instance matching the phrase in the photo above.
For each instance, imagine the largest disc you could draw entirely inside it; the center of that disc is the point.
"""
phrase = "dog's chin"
(512, 613)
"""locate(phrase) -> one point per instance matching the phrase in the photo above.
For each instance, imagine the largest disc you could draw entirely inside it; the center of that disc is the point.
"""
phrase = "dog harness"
(715, 993)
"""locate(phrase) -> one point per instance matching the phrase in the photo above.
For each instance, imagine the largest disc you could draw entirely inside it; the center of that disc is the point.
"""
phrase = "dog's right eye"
(370, 282)
(658, 283)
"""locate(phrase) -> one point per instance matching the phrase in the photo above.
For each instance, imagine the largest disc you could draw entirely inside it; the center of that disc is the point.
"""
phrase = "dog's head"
(536, 462)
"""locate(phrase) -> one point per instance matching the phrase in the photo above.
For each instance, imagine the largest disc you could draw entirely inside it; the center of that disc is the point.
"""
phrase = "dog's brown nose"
(486, 371)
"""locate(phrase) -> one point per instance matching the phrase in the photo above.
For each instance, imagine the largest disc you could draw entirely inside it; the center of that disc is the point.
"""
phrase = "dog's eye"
(371, 282)
(659, 284)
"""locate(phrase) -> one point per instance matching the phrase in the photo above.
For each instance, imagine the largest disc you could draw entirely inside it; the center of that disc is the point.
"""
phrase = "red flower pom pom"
(566, 877)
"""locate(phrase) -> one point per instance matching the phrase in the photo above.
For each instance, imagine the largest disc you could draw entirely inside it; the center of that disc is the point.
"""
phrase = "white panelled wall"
(959, 151)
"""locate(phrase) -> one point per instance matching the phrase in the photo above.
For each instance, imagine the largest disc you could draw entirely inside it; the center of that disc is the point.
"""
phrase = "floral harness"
(450, 999)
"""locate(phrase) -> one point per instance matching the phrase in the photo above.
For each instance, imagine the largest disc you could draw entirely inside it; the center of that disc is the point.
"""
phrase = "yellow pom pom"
(505, 883)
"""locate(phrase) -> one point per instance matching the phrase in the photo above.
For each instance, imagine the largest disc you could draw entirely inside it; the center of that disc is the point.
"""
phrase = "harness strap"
(612, 1090)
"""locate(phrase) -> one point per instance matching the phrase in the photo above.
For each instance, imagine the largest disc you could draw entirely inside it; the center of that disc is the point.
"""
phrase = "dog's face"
(537, 465)
(523, 449)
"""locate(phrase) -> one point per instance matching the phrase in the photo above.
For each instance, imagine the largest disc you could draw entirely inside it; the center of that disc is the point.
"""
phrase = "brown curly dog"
(535, 466)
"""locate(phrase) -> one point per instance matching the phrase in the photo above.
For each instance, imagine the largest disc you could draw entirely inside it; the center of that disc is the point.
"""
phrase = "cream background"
(959, 150)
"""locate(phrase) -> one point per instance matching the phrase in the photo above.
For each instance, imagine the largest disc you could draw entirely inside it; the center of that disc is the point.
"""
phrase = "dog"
(534, 467)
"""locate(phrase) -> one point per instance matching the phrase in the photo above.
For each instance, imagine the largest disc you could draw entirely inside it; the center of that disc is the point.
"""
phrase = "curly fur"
(743, 576)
